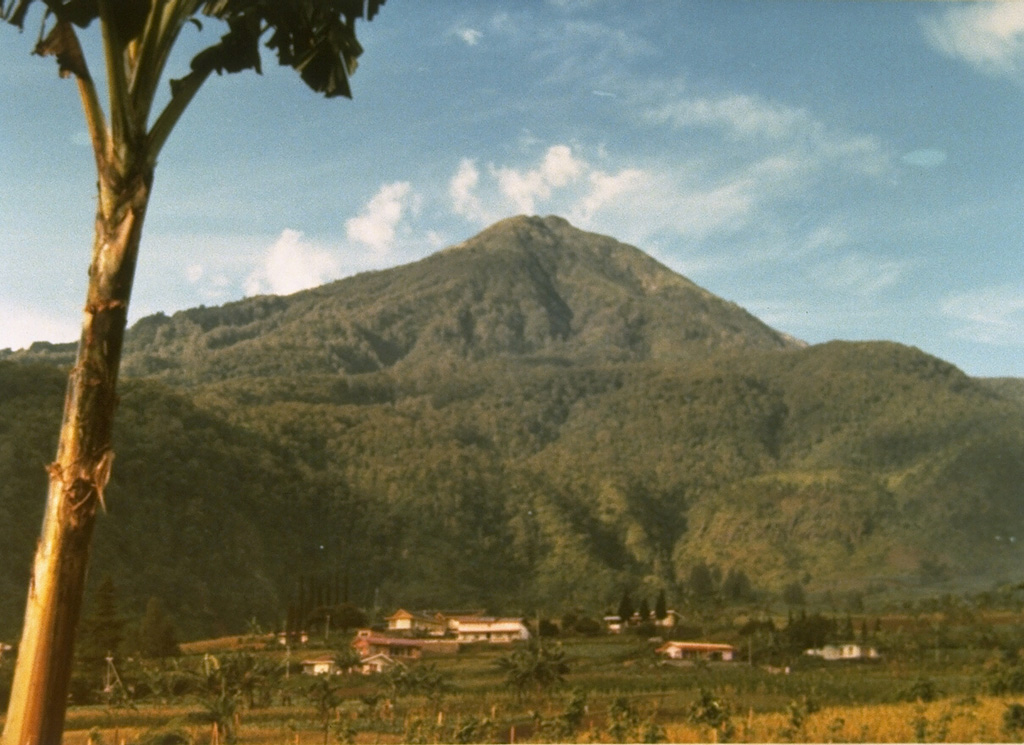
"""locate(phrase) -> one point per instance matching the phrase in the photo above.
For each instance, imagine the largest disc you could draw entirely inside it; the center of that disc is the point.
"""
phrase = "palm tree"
(315, 37)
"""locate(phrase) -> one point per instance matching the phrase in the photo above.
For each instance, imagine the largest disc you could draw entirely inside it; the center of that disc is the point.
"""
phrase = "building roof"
(401, 613)
(321, 660)
(390, 641)
(697, 647)
(490, 624)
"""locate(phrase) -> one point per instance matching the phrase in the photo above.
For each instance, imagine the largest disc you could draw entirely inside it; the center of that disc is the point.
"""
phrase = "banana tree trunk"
(79, 474)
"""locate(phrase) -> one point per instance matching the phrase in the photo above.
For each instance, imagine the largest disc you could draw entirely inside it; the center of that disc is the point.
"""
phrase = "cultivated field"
(938, 680)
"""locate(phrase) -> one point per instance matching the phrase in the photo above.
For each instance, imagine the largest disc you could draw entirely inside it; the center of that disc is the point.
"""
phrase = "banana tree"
(315, 37)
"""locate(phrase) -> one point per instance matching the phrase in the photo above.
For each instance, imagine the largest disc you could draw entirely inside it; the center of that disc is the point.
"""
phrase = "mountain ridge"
(523, 286)
(532, 431)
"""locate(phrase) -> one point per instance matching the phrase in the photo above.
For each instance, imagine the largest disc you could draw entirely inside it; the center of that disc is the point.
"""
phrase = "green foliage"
(534, 666)
(661, 606)
(170, 734)
(101, 631)
(1006, 679)
(422, 679)
(626, 608)
(798, 711)
(1013, 720)
(793, 594)
(326, 695)
(922, 689)
(701, 583)
(316, 38)
(226, 683)
(571, 720)
(809, 632)
(495, 426)
(714, 711)
(157, 635)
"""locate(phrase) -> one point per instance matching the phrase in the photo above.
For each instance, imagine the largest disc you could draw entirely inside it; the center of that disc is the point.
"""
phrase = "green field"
(943, 676)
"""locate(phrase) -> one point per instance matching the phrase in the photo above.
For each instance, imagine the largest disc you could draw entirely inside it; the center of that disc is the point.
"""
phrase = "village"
(410, 636)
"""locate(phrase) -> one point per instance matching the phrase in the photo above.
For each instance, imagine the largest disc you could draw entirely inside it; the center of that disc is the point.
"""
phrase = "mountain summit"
(544, 417)
(526, 286)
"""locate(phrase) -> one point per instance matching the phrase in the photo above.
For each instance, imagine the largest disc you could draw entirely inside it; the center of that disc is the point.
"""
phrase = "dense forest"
(530, 421)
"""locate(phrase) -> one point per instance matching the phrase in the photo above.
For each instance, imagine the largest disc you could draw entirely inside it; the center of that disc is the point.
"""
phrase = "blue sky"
(843, 170)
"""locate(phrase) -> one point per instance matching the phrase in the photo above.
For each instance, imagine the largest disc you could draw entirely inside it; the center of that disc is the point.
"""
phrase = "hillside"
(533, 419)
(526, 286)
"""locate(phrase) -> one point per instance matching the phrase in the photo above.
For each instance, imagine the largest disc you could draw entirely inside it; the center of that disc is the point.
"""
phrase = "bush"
(547, 628)
(1007, 679)
(1013, 719)
(587, 626)
(922, 689)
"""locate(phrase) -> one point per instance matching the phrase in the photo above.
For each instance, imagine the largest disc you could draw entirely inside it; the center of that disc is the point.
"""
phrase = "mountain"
(531, 420)
(527, 286)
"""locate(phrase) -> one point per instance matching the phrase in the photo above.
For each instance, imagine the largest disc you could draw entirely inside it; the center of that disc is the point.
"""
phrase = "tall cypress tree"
(101, 632)
(626, 607)
(157, 637)
(661, 607)
(645, 610)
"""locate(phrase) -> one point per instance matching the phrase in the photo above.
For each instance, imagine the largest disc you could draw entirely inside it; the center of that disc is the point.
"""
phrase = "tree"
(736, 585)
(661, 606)
(644, 610)
(793, 594)
(315, 37)
(701, 583)
(157, 637)
(626, 607)
(535, 666)
(326, 696)
(101, 632)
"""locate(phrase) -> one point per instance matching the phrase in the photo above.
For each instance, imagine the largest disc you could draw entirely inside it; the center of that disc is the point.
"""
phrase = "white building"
(325, 665)
(852, 651)
(697, 651)
(487, 629)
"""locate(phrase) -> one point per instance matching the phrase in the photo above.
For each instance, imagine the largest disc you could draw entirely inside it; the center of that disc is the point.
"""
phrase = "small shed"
(378, 663)
(323, 665)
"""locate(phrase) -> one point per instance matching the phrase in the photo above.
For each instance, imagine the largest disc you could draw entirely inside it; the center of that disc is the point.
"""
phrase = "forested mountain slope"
(534, 419)
(525, 286)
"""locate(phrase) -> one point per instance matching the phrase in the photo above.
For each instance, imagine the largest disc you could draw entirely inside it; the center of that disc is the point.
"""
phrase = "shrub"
(1007, 679)
(922, 689)
(587, 626)
(1013, 719)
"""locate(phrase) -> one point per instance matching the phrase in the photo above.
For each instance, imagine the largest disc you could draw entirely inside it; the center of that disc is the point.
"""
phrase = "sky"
(842, 170)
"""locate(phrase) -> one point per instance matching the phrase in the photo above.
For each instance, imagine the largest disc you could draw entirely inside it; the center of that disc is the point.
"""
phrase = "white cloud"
(524, 188)
(292, 264)
(194, 272)
(991, 315)
(825, 238)
(462, 190)
(470, 36)
(754, 127)
(376, 225)
(740, 115)
(23, 325)
(680, 201)
(988, 36)
(605, 189)
(861, 274)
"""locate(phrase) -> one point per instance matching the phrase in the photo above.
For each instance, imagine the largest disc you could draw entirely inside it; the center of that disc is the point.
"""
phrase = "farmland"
(949, 675)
